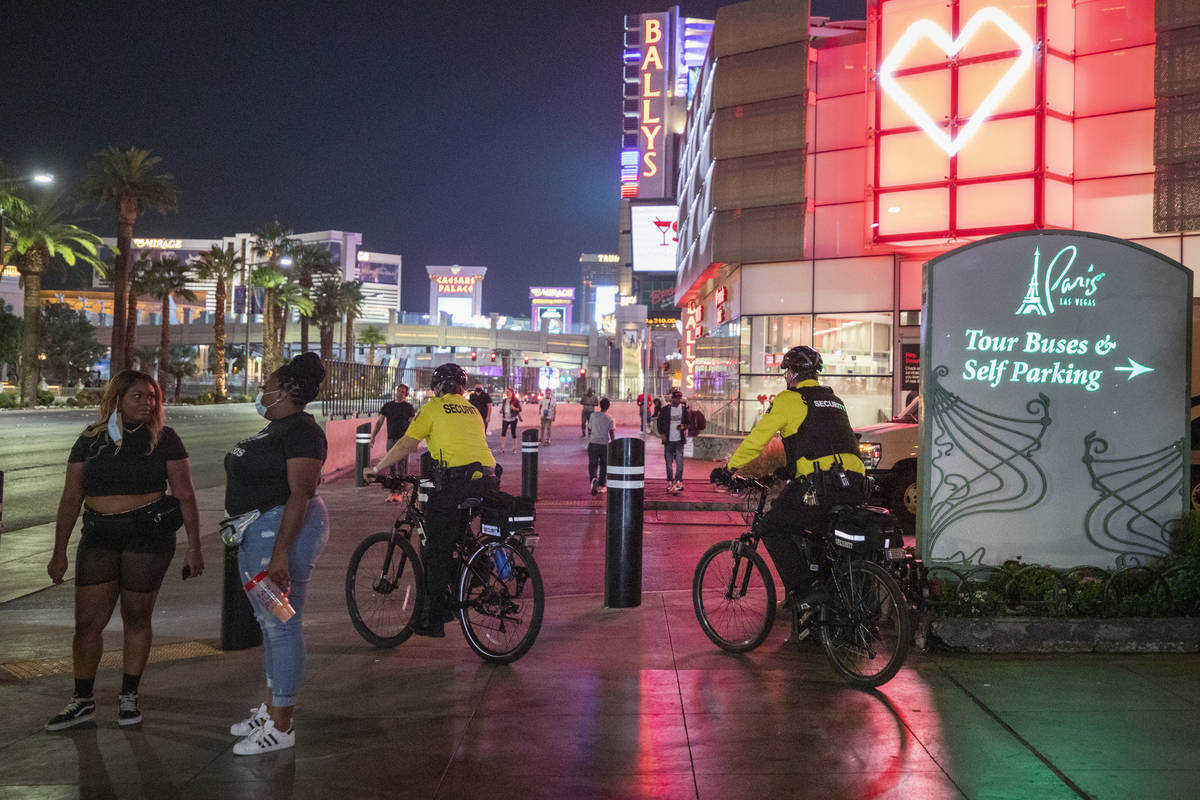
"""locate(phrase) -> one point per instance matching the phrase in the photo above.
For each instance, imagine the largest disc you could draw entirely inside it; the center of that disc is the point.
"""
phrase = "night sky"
(476, 133)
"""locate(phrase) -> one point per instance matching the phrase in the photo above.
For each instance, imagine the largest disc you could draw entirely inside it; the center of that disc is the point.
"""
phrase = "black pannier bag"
(502, 512)
(865, 529)
(838, 486)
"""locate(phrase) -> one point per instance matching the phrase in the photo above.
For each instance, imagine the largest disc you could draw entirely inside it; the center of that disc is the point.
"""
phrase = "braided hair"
(301, 378)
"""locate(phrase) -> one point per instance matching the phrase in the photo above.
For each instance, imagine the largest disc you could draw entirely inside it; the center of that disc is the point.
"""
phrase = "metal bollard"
(362, 452)
(623, 545)
(239, 628)
(529, 462)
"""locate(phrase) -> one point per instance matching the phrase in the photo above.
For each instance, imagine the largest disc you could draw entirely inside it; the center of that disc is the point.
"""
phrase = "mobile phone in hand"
(187, 571)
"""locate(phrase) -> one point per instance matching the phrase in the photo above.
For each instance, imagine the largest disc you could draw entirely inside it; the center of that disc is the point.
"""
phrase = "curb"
(1070, 635)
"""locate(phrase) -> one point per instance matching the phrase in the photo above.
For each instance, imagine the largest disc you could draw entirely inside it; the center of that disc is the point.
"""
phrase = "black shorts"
(134, 548)
(505, 425)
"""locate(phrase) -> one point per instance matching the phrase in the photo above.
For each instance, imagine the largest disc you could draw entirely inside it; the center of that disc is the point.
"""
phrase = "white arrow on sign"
(1134, 369)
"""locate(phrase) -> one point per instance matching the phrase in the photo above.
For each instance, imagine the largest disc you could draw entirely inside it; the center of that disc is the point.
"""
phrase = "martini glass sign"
(665, 226)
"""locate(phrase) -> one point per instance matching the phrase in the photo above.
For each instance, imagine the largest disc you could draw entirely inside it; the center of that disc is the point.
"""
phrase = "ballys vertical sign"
(691, 333)
(652, 132)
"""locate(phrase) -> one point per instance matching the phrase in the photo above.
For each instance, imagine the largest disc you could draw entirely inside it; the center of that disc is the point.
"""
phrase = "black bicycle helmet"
(802, 360)
(448, 374)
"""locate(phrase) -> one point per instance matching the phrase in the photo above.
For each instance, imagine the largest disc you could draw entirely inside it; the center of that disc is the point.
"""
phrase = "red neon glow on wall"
(973, 117)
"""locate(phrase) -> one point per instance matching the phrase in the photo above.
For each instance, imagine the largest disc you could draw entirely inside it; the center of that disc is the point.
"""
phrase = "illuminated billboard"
(552, 308)
(655, 55)
(655, 236)
(1056, 389)
(973, 118)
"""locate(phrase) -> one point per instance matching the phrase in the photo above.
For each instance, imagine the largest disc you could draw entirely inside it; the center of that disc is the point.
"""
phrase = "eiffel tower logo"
(1032, 304)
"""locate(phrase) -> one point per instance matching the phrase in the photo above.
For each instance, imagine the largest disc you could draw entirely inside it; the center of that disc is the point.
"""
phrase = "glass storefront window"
(854, 344)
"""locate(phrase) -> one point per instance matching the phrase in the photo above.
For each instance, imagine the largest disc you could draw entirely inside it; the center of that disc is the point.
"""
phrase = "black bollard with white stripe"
(529, 462)
(623, 547)
(1, 501)
(362, 452)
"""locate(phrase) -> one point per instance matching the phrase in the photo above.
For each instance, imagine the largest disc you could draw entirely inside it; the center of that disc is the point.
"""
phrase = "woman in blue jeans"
(275, 474)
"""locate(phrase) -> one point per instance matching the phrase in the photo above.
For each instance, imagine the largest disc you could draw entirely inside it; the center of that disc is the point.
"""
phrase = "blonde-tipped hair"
(115, 390)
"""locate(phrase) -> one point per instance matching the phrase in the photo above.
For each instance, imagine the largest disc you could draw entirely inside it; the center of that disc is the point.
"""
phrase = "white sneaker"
(258, 718)
(265, 740)
(678, 487)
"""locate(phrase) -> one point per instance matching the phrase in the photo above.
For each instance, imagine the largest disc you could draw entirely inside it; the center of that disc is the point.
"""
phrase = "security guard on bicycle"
(825, 469)
(464, 467)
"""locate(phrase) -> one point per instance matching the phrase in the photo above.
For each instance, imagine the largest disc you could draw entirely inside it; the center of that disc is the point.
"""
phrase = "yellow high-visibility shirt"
(453, 431)
(785, 416)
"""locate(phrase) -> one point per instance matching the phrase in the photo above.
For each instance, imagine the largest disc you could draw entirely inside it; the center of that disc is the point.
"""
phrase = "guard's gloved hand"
(720, 476)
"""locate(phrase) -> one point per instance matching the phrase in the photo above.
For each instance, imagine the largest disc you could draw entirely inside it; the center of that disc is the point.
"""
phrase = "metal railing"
(351, 389)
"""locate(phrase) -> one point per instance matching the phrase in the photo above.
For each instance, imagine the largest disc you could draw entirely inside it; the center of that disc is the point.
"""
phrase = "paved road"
(34, 447)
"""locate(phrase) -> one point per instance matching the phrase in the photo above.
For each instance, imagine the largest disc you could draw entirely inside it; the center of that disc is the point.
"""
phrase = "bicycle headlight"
(870, 453)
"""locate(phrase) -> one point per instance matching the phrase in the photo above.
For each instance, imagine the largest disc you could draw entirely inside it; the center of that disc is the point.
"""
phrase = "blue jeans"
(673, 452)
(283, 642)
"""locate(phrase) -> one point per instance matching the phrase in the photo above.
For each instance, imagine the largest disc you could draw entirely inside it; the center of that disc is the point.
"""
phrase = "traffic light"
(547, 362)
(492, 355)
(583, 372)
(526, 359)
(473, 354)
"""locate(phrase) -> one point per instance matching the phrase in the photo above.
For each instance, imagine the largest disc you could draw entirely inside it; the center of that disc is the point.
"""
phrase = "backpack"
(698, 421)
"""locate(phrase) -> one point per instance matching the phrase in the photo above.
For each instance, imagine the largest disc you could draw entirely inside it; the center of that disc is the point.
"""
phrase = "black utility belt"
(468, 472)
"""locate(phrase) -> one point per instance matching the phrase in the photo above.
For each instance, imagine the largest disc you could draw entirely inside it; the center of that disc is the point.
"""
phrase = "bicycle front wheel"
(734, 596)
(501, 601)
(866, 628)
(384, 589)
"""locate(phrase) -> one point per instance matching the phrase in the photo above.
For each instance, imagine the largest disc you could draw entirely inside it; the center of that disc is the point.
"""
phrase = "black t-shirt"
(482, 402)
(132, 469)
(398, 415)
(256, 468)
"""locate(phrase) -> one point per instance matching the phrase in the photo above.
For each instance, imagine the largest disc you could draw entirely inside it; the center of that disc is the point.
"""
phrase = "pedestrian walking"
(271, 479)
(673, 423)
(119, 471)
(510, 415)
(600, 433)
(588, 407)
(396, 414)
(546, 412)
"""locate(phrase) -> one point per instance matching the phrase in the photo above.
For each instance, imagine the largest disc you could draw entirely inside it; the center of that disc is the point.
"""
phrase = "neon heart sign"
(951, 47)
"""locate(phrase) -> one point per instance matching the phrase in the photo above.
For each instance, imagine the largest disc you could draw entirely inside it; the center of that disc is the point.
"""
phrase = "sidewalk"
(608, 703)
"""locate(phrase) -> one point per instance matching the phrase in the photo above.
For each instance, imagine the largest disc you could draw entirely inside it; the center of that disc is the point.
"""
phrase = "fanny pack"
(233, 529)
(163, 516)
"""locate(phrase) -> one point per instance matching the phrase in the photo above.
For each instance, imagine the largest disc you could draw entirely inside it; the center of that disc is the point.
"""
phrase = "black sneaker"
(595, 486)
(815, 596)
(80, 709)
(434, 630)
(127, 709)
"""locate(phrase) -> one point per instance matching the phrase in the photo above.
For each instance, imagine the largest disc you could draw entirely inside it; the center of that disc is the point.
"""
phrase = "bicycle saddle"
(469, 503)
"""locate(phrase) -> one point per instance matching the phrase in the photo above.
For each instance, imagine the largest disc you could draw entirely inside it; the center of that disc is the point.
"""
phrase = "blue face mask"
(116, 431)
(258, 403)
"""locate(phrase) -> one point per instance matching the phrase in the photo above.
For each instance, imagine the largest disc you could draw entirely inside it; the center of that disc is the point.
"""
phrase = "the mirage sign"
(1056, 375)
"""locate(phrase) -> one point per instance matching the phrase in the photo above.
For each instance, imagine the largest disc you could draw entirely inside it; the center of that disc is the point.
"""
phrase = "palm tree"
(334, 301)
(372, 337)
(269, 280)
(220, 266)
(311, 261)
(9, 203)
(289, 295)
(38, 235)
(131, 182)
(327, 312)
(167, 277)
(352, 300)
(137, 287)
(181, 363)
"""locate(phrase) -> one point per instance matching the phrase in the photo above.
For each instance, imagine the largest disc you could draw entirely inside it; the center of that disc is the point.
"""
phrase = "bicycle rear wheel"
(865, 626)
(384, 589)
(734, 596)
(502, 601)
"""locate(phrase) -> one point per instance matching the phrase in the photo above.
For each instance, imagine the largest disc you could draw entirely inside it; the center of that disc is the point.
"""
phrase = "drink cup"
(268, 594)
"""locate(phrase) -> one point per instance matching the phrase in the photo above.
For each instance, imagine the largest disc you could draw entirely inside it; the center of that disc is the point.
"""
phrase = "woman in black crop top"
(119, 470)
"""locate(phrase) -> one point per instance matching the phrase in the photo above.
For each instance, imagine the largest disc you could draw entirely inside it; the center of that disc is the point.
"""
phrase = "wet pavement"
(608, 704)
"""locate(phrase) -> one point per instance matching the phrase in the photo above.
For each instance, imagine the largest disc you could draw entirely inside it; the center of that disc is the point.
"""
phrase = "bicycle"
(864, 624)
(498, 597)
